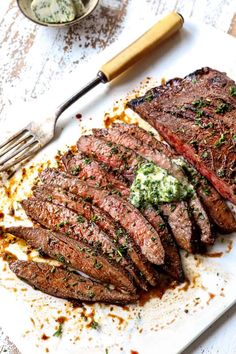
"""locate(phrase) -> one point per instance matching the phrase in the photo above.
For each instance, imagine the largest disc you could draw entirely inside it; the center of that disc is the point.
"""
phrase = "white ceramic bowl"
(25, 7)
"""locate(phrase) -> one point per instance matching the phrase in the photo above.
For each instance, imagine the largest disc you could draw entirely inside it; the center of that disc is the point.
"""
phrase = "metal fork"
(35, 135)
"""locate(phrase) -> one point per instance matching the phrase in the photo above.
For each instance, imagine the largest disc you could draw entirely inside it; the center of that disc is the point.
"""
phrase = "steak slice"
(171, 252)
(173, 265)
(119, 209)
(76, 254)
(196, 116)
(183, 228)
(89, 170)
(62, 283)
(216, 207)
(120, 137)
(116, 156)
(122, 241)
(51, 216)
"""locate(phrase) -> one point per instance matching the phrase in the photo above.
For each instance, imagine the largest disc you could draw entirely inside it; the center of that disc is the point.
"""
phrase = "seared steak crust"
(76, 254)
(62, 283)
(195, 115)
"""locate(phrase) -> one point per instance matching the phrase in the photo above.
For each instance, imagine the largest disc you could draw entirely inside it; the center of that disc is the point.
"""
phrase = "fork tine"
(16, 142)
(18, 151)
(29, 150)
(13, 137)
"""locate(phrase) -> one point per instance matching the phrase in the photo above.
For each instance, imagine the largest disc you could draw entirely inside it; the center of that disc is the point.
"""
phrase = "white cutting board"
(160, 326)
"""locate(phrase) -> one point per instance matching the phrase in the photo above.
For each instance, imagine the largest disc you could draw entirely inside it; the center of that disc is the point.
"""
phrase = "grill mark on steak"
(76, 254)
(209, 144)
(91, 171)
(62, 283)
(119, 209)
(121, 137)
(104, 222)
(172, 256)
(217, 209)
(51, 216)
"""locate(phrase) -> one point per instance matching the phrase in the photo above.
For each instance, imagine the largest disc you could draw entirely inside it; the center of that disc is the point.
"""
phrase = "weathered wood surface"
(32, 57)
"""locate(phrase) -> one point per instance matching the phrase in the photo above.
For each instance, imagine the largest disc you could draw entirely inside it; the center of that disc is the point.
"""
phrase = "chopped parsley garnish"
(94, 218)
(87, 161)
(221, 141)
(97, 265)
(234, 138)
(162, 226)
(75, 170)
(60, 258)
(222, 108)
(149, 97)
(205, 154)
(94, 325)
(61, 224)
(232, 90)
(58, 333)
(200, 103)
(80, 219)
(49, 198)
(91, 294)
(114, 150)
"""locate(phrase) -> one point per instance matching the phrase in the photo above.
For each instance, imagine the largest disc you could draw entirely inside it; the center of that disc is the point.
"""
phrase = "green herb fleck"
(205, 154)
(200, 103)
(49, 198)
(58, 333)
(222, 108)
(232, 90)
(60, 258)
(201, 216)
(162, 226)
(94, 218)
(95, 325)
(97, 265)
(91, 294)
(149, 97)
(75, 170)
(80, 219)
(61, 224)
(87, 161)
(153, 238)
(221, 141)
(53, 269)
(114, 150)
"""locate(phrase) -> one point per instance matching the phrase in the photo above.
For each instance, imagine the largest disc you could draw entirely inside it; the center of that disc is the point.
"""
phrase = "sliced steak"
(199, 215)
(116, 156)
(173, 265)
(122, 242)
(171, 252)
(61, 219)
(118, 208)
(196, 115)
(76, 254)
(89, 170)
(216, 207)
(184, 230)
(62, 283)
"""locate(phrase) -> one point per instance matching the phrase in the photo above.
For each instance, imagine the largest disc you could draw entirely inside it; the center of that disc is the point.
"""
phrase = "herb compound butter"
(155, 185)
(57, 11)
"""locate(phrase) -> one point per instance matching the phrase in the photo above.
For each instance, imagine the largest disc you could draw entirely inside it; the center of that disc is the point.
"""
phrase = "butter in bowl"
(56, 13)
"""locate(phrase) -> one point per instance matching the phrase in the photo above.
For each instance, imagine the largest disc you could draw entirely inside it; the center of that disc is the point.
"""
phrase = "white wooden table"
(32, 57)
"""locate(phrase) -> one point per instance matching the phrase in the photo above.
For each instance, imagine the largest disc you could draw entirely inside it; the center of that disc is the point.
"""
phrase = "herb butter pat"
(57, 11)
(155, 185)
